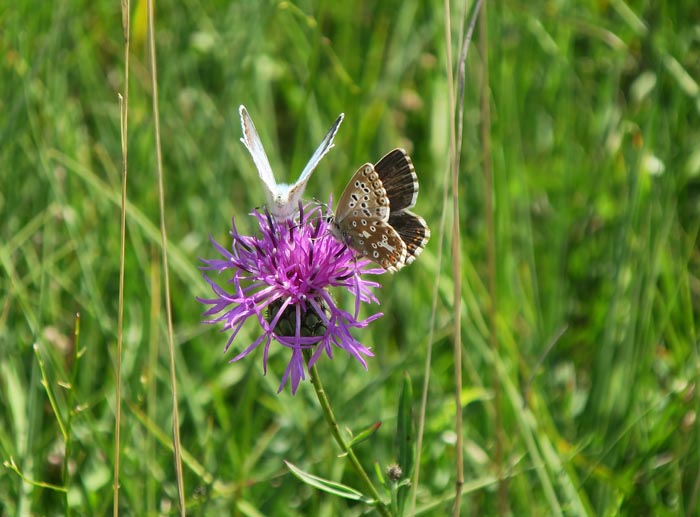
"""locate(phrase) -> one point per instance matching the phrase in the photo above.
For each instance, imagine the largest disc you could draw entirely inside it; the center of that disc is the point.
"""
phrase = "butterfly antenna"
(325, 206)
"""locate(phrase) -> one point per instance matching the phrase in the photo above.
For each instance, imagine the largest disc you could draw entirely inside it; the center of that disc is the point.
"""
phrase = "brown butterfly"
(372, 215)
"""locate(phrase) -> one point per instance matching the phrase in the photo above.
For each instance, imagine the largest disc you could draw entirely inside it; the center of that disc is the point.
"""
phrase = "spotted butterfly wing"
(413, 230)
(362, 220)
(373, 216)
(400, 181)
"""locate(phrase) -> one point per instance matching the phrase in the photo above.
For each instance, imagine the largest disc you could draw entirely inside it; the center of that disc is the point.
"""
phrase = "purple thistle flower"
(282, 278)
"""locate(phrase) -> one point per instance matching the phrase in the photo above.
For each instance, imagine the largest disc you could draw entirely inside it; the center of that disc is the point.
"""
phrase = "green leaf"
(404, 439)
(328, 486)
(364, 435)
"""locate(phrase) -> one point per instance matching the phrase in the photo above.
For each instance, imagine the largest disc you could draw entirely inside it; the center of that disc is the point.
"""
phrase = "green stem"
(335, 431)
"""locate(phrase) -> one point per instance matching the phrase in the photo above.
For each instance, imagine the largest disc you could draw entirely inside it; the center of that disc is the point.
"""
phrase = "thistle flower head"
(283, 278)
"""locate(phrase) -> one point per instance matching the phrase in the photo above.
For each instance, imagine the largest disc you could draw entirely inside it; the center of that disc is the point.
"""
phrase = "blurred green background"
(595, 110)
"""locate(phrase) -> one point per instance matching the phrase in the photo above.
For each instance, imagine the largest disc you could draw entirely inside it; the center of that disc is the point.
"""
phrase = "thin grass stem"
(123, 119)
(164, 247)
(456, 269)
(70, 399)
(491, 257)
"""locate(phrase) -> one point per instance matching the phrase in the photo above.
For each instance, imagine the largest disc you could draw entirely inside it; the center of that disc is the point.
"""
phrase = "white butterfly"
(282, 199)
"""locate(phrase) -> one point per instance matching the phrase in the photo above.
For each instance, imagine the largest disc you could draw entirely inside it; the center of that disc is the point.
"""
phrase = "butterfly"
(372, 215)
(282, 199)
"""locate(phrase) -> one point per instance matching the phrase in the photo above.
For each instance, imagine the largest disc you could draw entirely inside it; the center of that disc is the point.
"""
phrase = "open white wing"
(252, 142)
(321, 151)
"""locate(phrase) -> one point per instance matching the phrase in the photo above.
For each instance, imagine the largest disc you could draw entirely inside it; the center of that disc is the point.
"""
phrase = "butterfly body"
(372, 215)
(282, 199)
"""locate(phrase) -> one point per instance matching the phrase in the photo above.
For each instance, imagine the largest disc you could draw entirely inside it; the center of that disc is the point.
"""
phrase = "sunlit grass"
(595, 128)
